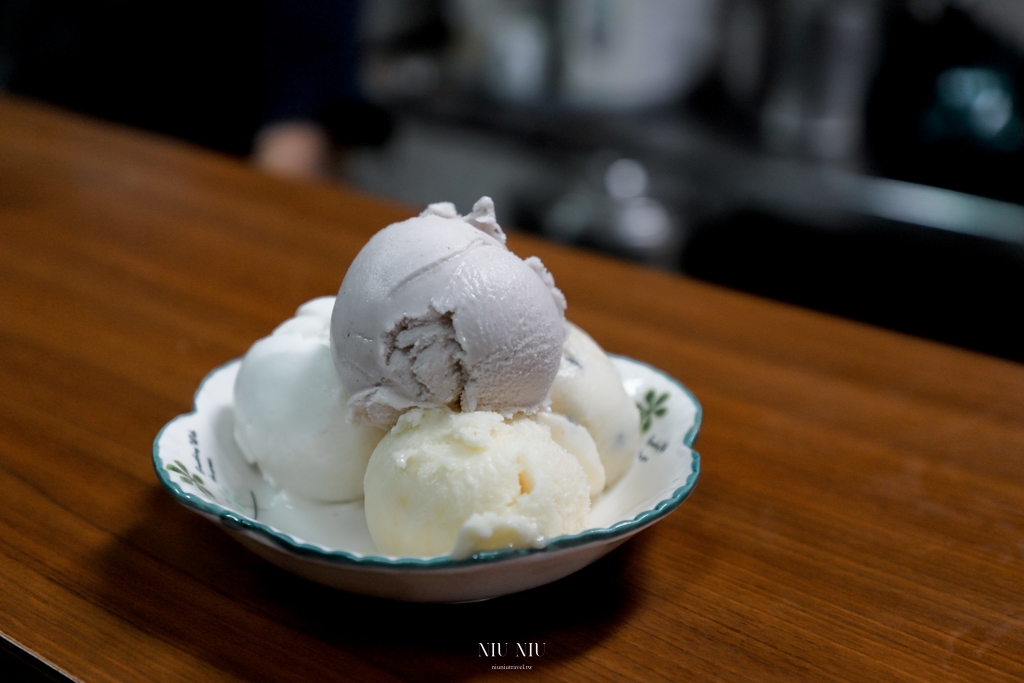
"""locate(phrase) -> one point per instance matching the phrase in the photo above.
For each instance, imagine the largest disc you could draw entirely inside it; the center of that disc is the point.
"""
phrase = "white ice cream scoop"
(437, 311)
(589, 391)
(290, 412)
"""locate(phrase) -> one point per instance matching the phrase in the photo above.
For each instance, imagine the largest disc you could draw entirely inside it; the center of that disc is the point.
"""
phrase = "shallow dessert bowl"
(196, 459)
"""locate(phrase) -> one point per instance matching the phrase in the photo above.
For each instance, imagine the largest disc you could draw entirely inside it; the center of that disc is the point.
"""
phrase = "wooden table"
(860, 513)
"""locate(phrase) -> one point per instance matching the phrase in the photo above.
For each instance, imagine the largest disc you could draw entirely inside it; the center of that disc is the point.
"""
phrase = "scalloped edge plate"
(197, 462)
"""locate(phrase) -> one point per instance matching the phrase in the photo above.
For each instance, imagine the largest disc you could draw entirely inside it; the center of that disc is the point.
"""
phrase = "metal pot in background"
(608, 55)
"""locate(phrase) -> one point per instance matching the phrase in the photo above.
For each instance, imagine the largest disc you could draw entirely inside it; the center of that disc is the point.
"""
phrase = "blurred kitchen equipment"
(827, 54)
(946, 108)
(504, 48)
(588, 54)
(743, 52)
(631, 54)
(611, 208)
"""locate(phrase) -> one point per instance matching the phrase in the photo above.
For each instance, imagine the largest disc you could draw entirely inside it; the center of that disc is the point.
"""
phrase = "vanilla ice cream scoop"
(437, 311)
(575, 438)
(290, 412)
(588, 390)
(442, 482)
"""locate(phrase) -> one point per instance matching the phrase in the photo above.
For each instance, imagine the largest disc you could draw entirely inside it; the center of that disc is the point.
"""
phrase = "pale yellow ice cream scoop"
(443, 482)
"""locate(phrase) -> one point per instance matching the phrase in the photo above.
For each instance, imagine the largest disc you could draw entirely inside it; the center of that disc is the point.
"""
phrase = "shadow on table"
(190, 584)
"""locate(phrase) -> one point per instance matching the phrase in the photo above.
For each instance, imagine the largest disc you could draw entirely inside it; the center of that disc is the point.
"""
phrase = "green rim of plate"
(237, 522)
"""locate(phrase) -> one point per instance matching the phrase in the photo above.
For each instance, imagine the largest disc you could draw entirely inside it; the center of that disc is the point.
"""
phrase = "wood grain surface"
(860, 512)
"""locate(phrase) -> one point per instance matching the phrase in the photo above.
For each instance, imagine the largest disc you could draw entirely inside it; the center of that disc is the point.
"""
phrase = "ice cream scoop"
(290, 412)
(437, 311)
(575, 438)
(589, 391)
(442, 482)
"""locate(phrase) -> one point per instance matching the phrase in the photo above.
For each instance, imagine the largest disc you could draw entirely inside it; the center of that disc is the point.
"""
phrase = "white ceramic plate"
(197, 460)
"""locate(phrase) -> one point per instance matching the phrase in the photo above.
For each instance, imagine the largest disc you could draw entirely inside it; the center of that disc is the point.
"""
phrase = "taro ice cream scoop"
(436, 311)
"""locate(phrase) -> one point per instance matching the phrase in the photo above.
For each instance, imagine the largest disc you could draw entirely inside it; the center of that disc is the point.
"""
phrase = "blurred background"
(860, 157)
